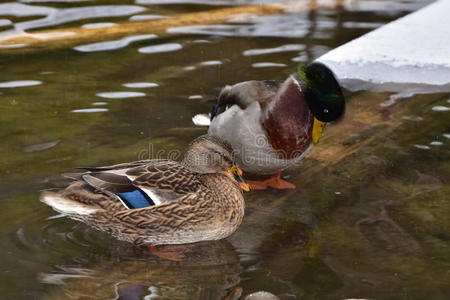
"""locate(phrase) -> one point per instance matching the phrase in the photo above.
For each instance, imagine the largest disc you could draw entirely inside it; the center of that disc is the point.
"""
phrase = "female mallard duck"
(160, 201)
(272, 124)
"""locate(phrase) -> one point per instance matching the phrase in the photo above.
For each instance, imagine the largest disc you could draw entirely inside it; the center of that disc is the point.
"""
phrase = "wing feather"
(245, 93)
(121, 166)
(161, 180)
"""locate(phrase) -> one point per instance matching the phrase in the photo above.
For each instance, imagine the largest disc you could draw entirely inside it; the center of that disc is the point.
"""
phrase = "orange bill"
(236, 174)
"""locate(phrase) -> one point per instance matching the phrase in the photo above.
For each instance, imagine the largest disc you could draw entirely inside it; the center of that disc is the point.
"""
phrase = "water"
(369, 218)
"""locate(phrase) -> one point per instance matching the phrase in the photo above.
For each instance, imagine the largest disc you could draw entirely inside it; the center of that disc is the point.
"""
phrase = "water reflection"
(54, 1)
(268, 65)
(98, 25)
(211, 63)
(146, 17)
(89, 110)
(205, 2)
(120, 95)
(209, 271)
(13, 46)
(361, 25)
(55, 16)
(287, 26)
(5, 22)
(440, 108)
(283, 48)
(140, 85)
(169, 47)
(412, 118)
(41, 146)
(380, 215)
(113, 45)
(165, 2)
(99, 103)
(19, 83)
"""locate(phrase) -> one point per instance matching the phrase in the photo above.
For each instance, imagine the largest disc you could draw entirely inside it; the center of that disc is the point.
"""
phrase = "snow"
(413, 49)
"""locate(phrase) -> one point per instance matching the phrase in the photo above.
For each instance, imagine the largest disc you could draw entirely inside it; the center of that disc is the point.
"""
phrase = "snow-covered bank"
(413, 50)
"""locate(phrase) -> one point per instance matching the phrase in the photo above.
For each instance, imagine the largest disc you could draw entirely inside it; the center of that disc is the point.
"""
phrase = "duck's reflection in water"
(209, 270)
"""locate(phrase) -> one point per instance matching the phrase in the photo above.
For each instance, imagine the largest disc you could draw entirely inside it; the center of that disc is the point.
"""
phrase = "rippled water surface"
(370, 222)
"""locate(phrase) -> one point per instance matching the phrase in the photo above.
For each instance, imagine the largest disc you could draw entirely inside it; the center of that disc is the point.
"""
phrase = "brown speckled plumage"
(198, 202)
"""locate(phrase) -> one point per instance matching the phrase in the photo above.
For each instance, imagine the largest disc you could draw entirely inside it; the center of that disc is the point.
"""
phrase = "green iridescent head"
(322, 91)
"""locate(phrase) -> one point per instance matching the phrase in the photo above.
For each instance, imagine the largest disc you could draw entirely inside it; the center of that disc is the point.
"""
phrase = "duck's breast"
(243, 130)
(288, 121)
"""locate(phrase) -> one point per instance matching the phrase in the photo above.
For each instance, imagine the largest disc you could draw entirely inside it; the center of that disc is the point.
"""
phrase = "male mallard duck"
(160, 201)
(272, 124)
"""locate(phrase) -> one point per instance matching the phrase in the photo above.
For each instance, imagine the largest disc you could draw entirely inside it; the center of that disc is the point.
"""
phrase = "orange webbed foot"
(274, 182)
(257, 185)
(170, 252)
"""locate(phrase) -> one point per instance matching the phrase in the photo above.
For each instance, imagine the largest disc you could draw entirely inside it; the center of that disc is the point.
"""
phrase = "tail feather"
(64, 205)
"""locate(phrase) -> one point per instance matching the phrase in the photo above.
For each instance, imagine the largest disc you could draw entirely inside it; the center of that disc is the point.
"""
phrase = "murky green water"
(373, 225)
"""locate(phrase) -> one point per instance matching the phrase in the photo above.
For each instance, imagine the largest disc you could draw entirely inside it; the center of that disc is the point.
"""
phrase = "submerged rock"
(262, 295)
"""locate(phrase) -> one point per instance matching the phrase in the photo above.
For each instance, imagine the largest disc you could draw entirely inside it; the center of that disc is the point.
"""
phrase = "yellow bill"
(318, 128)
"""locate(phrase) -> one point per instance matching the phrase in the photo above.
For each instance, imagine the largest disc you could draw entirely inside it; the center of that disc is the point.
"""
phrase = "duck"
(273, 124)
(159, 201)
